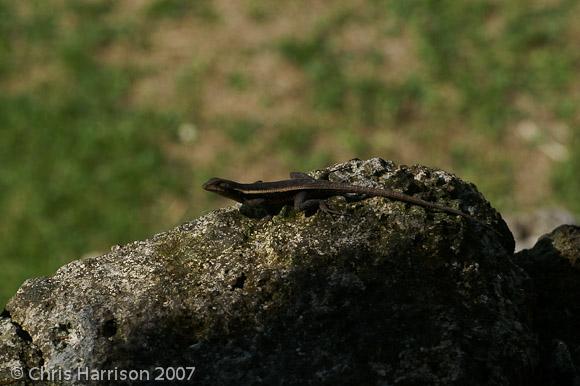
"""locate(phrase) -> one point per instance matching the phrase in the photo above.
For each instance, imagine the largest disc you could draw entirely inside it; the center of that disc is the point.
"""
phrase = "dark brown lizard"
(307, 194)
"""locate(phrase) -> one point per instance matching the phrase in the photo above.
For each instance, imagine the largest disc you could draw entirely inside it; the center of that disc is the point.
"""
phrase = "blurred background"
(113, 113)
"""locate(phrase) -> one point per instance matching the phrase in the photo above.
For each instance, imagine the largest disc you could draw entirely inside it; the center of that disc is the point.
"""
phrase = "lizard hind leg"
(311, 206)
(302, 204)
(325, 208)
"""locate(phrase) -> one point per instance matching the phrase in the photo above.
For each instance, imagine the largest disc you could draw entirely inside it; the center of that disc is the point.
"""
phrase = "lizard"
(308, 194)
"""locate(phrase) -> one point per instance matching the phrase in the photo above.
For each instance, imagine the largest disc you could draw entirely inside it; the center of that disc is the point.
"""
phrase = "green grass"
(86, 166)
(531, 53)
(260, 10)
(177, 9)
(80, 169)
(238, 81)
(241, 131)
(321, 63)
(567, 176)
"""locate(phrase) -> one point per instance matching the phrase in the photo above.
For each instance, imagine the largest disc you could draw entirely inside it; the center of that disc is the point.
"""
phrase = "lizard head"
(224, 188)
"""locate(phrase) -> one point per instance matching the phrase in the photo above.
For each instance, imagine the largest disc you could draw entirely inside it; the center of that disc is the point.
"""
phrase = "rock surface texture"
(554, 265)
(386, 293)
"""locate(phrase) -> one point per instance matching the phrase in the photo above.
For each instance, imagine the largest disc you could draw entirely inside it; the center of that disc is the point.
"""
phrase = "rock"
(17, 352)
(528, 227)
(388, 294)
(554, 266)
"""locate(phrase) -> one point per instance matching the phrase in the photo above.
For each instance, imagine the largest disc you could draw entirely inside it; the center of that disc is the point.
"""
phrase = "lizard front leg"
(254, 202)
(258, 208)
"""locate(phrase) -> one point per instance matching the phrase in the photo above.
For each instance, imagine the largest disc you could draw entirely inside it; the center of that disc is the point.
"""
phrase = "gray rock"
(17, 352)
(388, 294)
(554, 265)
